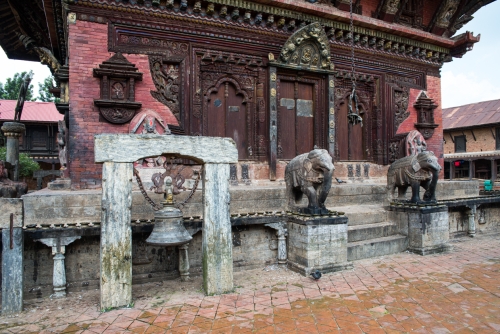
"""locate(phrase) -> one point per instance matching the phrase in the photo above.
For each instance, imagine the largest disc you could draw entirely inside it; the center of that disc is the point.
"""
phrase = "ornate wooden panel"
(229, 99)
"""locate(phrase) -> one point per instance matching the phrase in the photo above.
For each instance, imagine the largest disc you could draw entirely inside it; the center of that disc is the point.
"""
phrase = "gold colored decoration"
(332, 84)
(332, 124)
(273, 92)
(332, 138)
(308, 47)
(332, 111)
(273, 76)
(271, 56)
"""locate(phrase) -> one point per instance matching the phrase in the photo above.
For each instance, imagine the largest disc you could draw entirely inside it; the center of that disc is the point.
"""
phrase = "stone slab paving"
(457, 292)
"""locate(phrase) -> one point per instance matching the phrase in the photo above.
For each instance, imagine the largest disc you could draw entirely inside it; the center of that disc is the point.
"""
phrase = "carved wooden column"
(273, 126)
(331, 115)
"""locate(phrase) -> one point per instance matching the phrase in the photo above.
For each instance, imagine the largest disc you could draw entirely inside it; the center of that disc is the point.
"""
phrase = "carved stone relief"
(425, 115)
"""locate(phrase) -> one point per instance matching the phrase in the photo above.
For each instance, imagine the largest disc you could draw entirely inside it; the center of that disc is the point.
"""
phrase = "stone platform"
(317, 243)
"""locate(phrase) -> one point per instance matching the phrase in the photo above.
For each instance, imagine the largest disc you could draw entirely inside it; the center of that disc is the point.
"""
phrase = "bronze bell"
(169, 229)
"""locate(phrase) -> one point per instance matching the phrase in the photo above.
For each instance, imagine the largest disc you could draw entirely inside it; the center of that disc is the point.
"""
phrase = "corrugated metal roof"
(473, 114)
(32, 111)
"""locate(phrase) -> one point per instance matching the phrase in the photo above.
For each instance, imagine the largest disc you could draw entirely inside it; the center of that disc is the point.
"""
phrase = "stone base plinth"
(317, 243)
(60, 184)
(427, 227)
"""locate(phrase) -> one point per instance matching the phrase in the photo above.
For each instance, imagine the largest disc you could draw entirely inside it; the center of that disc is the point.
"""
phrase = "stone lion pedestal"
(317, 243)
(426, 227)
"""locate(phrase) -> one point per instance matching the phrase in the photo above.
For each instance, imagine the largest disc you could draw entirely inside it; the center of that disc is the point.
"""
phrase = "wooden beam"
(492, 133)
(473, 135)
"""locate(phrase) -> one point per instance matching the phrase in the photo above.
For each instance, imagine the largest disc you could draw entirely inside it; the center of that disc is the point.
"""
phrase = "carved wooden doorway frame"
(307, 50)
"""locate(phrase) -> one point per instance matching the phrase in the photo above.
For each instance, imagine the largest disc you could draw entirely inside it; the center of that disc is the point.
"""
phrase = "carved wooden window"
(460, 144)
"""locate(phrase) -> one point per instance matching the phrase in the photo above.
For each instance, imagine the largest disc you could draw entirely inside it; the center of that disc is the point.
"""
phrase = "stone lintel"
(130, 148)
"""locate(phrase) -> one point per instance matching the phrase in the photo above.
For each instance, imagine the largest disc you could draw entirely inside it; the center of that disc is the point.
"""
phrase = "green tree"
(10, 89)
(26, 164)
(44, 93)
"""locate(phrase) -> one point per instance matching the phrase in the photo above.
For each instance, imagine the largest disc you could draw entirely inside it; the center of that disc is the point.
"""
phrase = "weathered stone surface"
(12, 271)
(116, 235)
(376, 247)
(8, 206)
(313, 246)
(217, 241)
(58, 246)
(428, 227)
(129, 148)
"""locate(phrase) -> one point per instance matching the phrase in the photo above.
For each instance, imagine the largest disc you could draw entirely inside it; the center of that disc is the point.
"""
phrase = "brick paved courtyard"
(458, 292)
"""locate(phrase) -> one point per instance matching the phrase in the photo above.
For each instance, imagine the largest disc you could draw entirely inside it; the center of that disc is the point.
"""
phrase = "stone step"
(376, 247)
(371, 231)
(363, 214)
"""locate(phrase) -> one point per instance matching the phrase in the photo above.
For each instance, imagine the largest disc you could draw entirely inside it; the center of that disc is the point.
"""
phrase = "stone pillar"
(317, 243)
(217, 244)
(59, 274)
(428, 227)
(116, 235)
(471, 169)
(452, 170)
(12, 270)
(472, 223)
(281, 233)
(184, 262)
(13, 131)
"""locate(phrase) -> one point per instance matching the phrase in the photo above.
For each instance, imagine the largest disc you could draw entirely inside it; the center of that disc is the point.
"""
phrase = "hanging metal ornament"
(353, 117)
(169, 229)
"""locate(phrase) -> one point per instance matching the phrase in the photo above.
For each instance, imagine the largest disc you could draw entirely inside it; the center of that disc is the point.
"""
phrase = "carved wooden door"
(350, 138)
(298, 109)
(226, 117)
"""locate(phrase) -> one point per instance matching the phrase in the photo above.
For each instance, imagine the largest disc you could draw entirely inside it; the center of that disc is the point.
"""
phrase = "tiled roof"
(481, 113)
(32, 111)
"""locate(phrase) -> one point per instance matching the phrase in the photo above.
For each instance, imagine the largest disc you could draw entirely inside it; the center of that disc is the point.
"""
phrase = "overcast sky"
(473, 78)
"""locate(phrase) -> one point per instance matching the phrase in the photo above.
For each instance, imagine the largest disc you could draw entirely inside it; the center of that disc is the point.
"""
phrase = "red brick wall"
(435, 143)
(88, 48)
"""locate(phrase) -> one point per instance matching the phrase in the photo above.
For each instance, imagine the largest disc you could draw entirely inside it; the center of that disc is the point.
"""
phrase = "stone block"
(317, 243)
(8, 206)
(428, 227)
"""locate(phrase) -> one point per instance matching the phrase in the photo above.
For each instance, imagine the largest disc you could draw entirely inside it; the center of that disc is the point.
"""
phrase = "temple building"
(344, 79)
(255, 71)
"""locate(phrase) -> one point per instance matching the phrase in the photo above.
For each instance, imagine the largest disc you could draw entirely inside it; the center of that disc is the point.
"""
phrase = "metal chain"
(153, 204)
(141, 187)
(353, 117)
(351, 29)
(195, 186)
